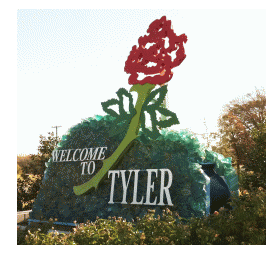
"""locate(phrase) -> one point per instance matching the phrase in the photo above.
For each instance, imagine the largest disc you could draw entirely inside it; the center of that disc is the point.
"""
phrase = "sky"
(69, 61)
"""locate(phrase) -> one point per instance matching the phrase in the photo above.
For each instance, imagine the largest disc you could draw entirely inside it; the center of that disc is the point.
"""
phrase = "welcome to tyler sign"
(116, 165)
(94, 154)
(151, 175)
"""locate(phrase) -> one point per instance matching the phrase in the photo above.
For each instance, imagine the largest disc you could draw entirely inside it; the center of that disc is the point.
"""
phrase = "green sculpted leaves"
(151, 106)
(123, 118)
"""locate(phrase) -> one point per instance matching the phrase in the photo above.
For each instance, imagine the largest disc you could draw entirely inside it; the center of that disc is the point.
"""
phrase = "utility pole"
(56, 131)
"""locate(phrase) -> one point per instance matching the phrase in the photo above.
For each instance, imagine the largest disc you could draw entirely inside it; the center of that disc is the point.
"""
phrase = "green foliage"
(45, 149)
(27, 189)
(52, 238)
(242, 129)
(30, 171)
(245, 224)
(166, 230)
(257, 155)
(23, 163)
(19, 171)
(106, 232)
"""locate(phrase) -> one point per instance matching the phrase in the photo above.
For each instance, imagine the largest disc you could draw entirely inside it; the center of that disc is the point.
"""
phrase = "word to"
(150, 186)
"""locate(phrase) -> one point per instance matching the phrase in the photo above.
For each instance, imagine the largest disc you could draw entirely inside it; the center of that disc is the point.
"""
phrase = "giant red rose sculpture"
(138, 62)
(141, 56)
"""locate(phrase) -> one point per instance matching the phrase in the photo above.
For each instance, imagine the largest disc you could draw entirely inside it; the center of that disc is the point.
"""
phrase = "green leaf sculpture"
(123, 118)
(151, 107)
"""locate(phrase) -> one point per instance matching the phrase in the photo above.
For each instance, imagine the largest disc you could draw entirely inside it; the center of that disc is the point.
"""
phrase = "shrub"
(165, 230)
(106, 232)
(52, 238)
(245, 224)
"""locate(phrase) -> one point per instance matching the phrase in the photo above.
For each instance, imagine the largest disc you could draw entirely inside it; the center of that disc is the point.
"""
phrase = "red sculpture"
(139, 57)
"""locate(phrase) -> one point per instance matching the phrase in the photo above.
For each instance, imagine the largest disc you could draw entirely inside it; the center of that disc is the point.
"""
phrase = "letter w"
(55, 154)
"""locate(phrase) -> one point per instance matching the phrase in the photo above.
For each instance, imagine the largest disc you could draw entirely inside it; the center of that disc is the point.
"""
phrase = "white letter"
(92, 154)
(124, 201)
(101, 152)
(75, 154)
(62, 155)
(112, 185)
(55, 154)
(89, 166)
(136, 188)
(83, 167)
(68, 155)
(166, 188)
(150, 187)
(82, 153)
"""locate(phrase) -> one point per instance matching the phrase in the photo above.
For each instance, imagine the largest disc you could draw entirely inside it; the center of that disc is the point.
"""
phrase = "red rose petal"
(140, 56)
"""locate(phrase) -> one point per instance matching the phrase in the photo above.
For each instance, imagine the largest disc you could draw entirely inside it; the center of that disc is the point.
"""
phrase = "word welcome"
(150, 186)
(89, 154)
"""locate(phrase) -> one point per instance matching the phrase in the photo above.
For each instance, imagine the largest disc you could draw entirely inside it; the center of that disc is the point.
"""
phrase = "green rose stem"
(132, 133)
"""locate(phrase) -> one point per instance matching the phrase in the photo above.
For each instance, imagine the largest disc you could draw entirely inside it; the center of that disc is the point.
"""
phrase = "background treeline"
(30, 171)
(241, 135)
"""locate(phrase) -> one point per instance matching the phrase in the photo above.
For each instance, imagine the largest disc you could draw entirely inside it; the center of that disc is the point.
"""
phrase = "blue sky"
(69, 61)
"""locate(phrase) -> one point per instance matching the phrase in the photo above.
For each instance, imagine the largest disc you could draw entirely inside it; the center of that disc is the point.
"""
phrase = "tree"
(30, 171)
(242, 129)
(45, 149)
(27, 190)
(258, 157)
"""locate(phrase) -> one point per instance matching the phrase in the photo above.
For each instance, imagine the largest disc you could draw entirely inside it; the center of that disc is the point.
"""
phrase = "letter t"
(112, 185)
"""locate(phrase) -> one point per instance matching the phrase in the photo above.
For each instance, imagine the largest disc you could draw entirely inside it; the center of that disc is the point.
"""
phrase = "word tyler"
(150, 186)
(89, 154)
